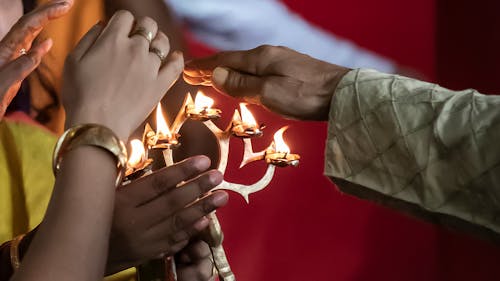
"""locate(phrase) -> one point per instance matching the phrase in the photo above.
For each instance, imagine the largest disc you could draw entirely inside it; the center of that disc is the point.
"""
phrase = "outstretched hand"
(286, 82)
(156, 216)
(18, 56)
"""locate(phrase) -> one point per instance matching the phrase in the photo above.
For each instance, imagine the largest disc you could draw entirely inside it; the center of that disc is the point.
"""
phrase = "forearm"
(418, 143)
(72, 241)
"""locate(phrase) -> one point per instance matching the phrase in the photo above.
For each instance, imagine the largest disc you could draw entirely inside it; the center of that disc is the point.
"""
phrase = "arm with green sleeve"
(411, 145)
(407, 144)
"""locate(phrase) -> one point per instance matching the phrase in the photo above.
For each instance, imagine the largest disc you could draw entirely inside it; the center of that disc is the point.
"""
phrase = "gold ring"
(159, 53)
(144, 33)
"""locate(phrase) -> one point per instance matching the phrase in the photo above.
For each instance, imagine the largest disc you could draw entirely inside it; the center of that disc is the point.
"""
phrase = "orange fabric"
(65, 32)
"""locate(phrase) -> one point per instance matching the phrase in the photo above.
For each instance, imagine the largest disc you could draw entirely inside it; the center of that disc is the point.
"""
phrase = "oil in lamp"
(202, 109)
(244, 124)
(278, 153)
(137, 164)
(163, 139)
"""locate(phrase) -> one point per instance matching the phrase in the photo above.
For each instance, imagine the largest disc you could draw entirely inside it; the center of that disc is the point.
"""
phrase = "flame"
(202, 102)
(137, 155)
(247, 116)
(279, 143)
(162, 130)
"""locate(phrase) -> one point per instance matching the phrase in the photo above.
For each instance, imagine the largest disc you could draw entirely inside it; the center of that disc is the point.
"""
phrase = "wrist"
(331, 83)
(86, 117)
(95, 135)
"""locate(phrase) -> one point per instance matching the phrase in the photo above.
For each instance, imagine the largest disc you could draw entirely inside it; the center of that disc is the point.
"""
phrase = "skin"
(166, 233)
(158, 11)
(15, 67)
(284, 81)
(127, 236)
(10, 12)
(65, 248)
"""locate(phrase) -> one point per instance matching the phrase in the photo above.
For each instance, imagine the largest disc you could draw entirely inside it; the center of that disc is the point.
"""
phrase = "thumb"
(237, 84)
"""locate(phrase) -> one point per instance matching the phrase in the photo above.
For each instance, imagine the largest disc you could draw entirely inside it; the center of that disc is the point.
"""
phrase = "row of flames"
(202, 103)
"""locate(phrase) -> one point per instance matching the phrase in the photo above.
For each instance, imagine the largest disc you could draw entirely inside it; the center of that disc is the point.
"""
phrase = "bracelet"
(14, 252)
(94, 135)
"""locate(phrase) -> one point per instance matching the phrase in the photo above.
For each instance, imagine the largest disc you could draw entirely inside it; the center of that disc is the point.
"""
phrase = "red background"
(301, 227)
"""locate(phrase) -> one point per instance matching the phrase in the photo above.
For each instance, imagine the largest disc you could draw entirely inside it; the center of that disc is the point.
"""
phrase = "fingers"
(178, 198)
(258, 61)
(18, 69)
(87, 42)
(144, 31)
(238, 84)
(245, 61)
(195, 262)
(172, 68)
(159, 48)
(119, 26)
(203, 270)
(150, 187)
(29, 26)
(187, 222)
(193, 253)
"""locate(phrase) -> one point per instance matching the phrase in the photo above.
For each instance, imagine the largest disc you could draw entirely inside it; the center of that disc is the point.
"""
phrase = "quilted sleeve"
(424, 146)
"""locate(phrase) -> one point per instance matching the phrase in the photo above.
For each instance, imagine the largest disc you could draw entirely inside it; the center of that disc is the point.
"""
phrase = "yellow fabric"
(25, 150)
(26, 180)
(25, 176)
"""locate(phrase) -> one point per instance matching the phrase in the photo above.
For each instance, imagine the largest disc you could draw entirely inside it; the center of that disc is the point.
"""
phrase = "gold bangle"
(14, 252)
(94, 135)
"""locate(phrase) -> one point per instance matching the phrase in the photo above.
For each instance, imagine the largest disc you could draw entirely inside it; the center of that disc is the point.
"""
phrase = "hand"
(194, 262)
(14, 66)
(155, 215)
(286, 82)
(113, 79)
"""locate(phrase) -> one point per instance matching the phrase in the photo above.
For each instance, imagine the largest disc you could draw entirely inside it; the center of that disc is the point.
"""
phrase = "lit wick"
(163, 139)
(278, 153)
(246, 126)
(202, 109)
(137, 164)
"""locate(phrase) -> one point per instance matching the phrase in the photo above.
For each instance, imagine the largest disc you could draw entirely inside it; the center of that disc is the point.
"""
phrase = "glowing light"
(247, 116)
(279, 142)
(137, 155)
(202, 102)
(162, 130)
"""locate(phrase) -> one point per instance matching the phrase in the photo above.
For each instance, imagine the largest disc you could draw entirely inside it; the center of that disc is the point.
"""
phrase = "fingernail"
(201, 163)
(219, 76)
(215, 177)
(220, 199)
